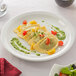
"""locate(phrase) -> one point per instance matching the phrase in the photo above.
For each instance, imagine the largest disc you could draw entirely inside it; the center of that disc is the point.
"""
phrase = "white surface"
(16, 7)
(7, 33)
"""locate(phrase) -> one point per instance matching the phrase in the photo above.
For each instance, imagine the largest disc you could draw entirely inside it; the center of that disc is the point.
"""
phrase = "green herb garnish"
(42, 33)
(34, 34)
(37, 54)
(43, 21)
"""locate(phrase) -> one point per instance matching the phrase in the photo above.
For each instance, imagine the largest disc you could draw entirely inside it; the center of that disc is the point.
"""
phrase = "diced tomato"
(60, 43)
(41, 35)
(24, 22)
(60, 74)
(47, 41)
(24, 33)
(54, 32)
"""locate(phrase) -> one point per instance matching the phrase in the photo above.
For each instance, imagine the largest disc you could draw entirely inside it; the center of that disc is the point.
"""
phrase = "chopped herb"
(43, 21)
(34, 34)
(42, 33)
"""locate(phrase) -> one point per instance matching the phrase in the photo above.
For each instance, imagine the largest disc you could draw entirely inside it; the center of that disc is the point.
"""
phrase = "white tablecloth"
(16, 7)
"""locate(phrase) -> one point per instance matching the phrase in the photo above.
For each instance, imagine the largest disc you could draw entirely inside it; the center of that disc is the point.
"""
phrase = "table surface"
(16, 7)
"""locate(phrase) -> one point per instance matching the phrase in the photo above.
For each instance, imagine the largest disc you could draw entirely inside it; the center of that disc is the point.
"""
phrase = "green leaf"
(66, 70)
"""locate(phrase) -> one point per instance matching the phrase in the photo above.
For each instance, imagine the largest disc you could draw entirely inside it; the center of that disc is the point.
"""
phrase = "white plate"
(56, 68)
(7, 33)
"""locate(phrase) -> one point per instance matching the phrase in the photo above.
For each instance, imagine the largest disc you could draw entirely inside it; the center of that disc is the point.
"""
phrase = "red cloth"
(6, 69)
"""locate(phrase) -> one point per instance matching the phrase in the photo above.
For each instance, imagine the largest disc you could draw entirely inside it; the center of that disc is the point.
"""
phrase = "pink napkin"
(6, 69)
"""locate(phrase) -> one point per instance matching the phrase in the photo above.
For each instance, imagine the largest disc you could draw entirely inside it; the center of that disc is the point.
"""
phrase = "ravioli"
(39, 31)
(43, 48)
(30, 33)
(19, 30)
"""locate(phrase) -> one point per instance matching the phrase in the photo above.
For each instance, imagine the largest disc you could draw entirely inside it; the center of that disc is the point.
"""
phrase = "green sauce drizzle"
(16, 44)
(60, 34)
(15, 41)
(37, 54)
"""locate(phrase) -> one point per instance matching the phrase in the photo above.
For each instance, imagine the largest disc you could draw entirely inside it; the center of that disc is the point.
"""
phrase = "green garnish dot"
(42, 33)
(34, 51)
(22, 50)
(43, 21)
(28, 52)
(37, 54)
(34, 34)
